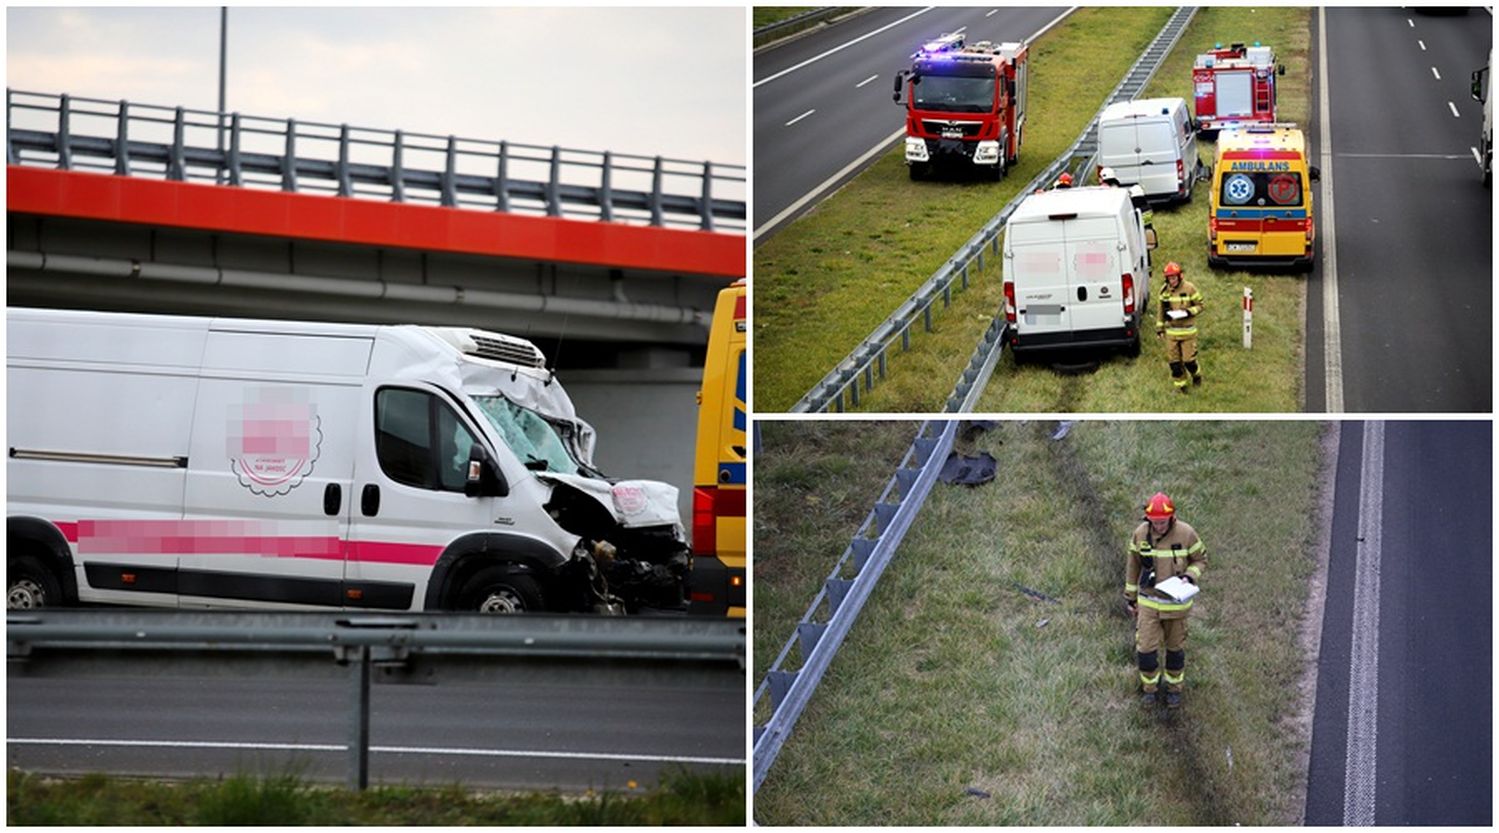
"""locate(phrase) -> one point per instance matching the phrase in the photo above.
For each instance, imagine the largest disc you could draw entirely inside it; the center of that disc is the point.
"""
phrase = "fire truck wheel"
(31, 585)
(919, 171)
(500, 589)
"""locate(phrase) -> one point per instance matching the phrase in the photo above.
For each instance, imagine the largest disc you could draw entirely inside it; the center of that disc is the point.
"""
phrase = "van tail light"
(704, 520)
(1181, 174)
(1309, 232)
(1212, 229)
(1010, 301)
(1127, 288)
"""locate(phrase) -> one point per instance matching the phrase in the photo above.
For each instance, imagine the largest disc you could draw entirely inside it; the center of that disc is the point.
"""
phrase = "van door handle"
(369, 500)
(333, 498)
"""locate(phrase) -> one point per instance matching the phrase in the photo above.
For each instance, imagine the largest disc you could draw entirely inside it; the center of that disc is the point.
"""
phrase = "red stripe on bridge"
(225, 208)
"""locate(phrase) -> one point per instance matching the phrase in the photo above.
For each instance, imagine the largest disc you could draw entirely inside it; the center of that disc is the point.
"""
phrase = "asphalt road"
(1423, 732)
(1413, 221)
(818, 111)
(510, 734)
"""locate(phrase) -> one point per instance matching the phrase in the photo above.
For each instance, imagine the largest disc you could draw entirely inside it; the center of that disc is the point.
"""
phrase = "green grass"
(681, 798)
(1268, 378)
(766, 15)
(952, 679)
(811, 495)
(826, 281)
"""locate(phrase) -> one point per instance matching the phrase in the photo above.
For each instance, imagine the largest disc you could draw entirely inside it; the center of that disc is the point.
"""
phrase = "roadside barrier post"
(1248, 318)
(359, 730)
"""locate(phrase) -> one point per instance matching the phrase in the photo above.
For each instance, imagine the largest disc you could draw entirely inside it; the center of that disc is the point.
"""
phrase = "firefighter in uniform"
(1180, 332)
(1161, 547)
(1063, 181)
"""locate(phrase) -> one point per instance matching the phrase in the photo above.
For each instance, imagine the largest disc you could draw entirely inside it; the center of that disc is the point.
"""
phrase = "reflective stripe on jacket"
(1178, 552)
(1184, 297)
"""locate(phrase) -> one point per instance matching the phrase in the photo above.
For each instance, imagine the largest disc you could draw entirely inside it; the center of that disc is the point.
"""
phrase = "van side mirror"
(1150, 239)
(1280, 70)
(900, 81)
(484, 478)
(1478, 83)
(1315, 173)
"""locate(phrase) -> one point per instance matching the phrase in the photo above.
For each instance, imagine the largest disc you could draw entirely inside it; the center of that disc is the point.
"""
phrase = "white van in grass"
(1076, 271)
(1151, 143)
(196, 462)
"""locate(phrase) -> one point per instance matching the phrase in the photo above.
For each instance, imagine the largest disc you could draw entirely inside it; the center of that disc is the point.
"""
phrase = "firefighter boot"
(1196, 373)
(1179, 377)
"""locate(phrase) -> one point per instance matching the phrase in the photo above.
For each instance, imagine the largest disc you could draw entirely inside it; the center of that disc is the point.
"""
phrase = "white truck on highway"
(197, 462)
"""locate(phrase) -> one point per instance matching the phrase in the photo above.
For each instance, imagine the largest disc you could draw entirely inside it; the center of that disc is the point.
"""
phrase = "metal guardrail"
(837, 604)
(868, 362)
(183, 144)
(804, 18)
(975, 377)
(106, 642)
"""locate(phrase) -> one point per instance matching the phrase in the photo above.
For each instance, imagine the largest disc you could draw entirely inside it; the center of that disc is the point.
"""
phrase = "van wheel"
(1133, 348)
(501, 590)
(31, 585)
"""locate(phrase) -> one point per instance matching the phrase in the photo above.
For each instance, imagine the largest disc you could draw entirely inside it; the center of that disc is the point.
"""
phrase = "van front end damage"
(633, 552)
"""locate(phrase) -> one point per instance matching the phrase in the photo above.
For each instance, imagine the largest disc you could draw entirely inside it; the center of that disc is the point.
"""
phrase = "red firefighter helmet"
(1172, 268)
(1160, 507)
(1065, 180)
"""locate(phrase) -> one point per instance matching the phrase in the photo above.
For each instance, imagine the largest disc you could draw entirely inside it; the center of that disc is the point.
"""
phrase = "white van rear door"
(1037, 269)
(1118, 149)
(1092, 262)
(1158, 155)
(270, 476)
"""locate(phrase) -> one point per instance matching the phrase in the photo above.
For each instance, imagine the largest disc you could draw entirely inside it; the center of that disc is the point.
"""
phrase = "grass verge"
(811, 495)
(1268, 378)
(681, 798)
(826, 281)
(958, 700)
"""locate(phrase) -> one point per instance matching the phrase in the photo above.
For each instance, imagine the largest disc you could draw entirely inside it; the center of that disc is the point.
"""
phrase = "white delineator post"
(1248, 318)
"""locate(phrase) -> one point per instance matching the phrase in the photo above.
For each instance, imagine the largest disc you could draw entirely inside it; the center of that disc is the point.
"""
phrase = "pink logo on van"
(629, 500)
(274, 440)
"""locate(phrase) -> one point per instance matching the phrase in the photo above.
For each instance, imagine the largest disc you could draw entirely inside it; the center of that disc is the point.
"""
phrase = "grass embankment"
(288, 800)
(1268, 378)
(811, 495)
(952, 679)
(825, 282)
(766, 15)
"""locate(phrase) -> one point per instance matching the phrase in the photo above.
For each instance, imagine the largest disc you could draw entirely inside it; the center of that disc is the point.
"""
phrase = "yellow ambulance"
(1261, 210)
(717, 587)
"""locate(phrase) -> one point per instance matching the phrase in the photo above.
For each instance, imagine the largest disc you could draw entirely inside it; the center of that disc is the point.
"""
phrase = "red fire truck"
(1234, 86)
(965, 105)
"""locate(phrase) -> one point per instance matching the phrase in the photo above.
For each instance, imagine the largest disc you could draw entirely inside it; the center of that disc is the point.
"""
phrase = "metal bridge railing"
(843, 388)
(187, 145)
(425, 647)
(786, 690)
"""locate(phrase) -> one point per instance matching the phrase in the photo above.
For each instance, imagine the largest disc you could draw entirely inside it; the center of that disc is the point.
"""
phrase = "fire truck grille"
(507, 351)
(946, 130)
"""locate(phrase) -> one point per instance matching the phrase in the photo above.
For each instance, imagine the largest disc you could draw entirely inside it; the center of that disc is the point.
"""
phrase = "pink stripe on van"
(232, 537)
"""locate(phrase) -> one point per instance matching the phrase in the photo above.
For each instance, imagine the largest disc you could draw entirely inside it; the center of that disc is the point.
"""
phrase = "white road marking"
(992, 12)
(827, 183)
(1437, 74)
(1422, 44)
(840, 47)
(338, 747)
(1332, 338)
(1454, 110)
(1411, 22)
(799, 118)
(1476, 157)
(1360, 765)
(866, 81)
(1401, 156)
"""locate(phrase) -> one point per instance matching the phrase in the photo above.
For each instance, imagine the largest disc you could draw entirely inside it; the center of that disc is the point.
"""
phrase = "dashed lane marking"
(1453, 107)
(866, 81)
(799, 118)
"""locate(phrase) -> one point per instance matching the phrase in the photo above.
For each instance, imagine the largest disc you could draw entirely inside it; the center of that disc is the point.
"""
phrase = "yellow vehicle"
(1261, 211)
(718, 494)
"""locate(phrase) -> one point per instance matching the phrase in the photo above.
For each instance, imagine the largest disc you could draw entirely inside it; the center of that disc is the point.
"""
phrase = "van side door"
(266, 510)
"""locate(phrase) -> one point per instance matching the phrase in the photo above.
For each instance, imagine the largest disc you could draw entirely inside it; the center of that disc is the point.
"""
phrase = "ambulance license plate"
(1241, 247)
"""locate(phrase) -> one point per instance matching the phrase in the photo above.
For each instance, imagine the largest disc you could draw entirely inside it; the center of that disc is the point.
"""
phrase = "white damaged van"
(196, 462)
(1151, 143)
(1076, 271)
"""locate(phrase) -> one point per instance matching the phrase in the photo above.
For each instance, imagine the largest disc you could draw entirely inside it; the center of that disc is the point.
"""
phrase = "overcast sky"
(668, 81)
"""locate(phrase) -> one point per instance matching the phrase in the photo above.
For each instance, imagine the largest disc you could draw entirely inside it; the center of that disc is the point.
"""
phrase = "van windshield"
(541, 444)
(954, 94)
(1262, 189)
